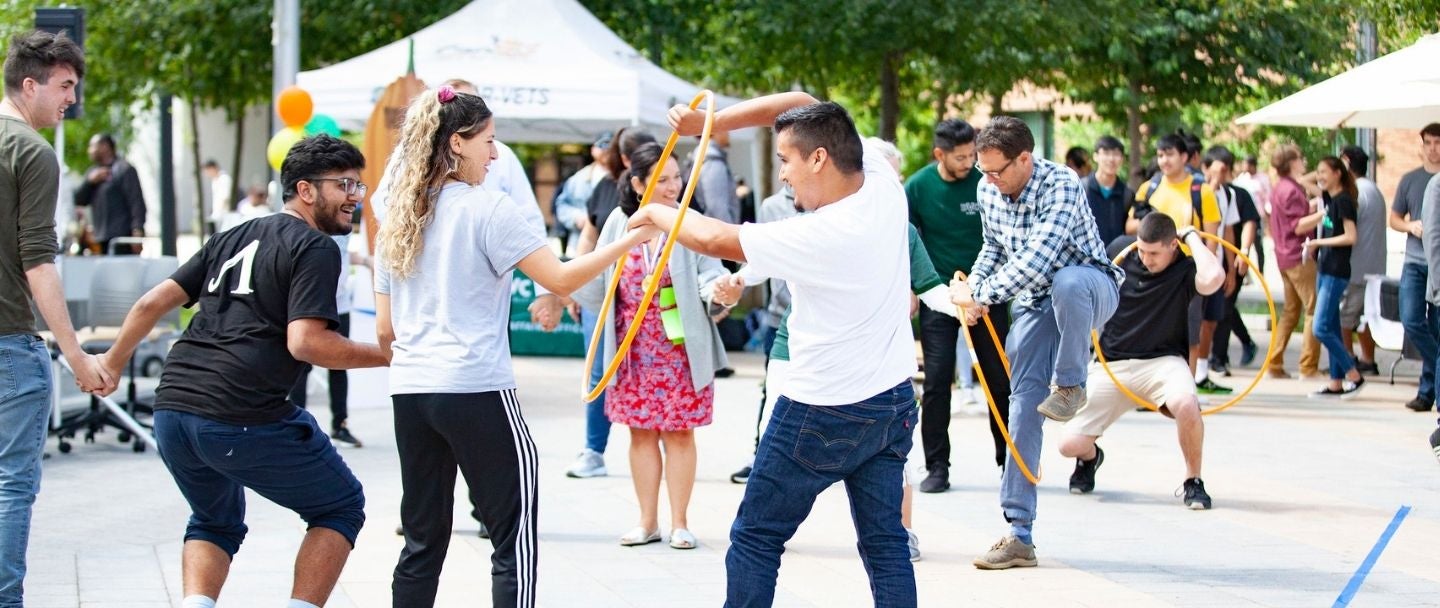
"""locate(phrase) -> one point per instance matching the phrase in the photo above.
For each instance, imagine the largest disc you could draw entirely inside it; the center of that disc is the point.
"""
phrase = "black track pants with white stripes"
(484, 436)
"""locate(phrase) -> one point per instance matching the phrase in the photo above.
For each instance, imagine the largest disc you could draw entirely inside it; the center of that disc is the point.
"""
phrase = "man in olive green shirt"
(41, 71)
(944, 208)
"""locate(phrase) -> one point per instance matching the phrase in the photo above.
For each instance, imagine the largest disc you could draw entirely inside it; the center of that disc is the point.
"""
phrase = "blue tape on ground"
(1359, 578)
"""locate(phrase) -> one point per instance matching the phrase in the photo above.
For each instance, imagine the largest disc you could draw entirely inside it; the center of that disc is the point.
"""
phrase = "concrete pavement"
(1302, 489)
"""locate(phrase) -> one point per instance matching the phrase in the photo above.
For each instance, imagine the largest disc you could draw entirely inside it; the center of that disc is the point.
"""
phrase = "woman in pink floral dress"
(664, 387)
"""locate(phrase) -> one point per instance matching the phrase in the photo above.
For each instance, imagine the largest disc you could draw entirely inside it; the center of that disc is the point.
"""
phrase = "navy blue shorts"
(291, 462)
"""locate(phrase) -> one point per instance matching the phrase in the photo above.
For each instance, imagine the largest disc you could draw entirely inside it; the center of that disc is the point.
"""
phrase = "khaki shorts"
(1352, 305)
(1158, 381)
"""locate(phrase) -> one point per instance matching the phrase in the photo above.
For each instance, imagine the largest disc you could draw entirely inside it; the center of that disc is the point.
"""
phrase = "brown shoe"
(1279, 373)
(1010, 552)
(1063, 403)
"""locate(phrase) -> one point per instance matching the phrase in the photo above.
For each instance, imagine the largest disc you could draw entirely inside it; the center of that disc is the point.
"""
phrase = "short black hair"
(1107, 142)
(824, 125)
(1008, 134)
(951, 133)
(1156, 228)
(1430, 130)
(1358, 159)
(1173, 141)
(33, 54)
(1192, 141)
(1220, 153)
(1077, 157)
(315, 156)
(210, 163)
(107, 139)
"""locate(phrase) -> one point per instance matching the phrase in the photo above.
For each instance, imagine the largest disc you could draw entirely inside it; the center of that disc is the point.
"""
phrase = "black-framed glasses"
(351, 186)
(996, 174)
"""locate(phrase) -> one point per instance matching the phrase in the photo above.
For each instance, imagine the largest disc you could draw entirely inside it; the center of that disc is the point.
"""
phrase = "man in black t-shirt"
(266, 291)
(1146, 343)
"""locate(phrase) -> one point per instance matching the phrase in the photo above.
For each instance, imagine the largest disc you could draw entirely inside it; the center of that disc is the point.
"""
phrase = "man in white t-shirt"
(848, 408)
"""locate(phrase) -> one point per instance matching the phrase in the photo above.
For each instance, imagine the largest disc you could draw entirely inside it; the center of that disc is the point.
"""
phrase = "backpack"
(1197, 186)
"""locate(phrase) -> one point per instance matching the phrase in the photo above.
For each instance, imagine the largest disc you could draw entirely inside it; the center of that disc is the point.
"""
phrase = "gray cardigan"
(1430, 219)
(693, 276)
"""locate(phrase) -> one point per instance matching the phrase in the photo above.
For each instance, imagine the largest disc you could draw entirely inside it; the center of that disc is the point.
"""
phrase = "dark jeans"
(339, 386)
(1231, 324)
(290, 462)
(1422, 324)
(805, 450)
(483, 436)
(938, 335)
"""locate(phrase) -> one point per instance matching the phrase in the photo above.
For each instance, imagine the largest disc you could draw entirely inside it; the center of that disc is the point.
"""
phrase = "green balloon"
(321, 123)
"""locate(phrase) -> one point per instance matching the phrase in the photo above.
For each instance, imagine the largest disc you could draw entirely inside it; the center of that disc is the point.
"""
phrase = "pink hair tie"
(446, 94)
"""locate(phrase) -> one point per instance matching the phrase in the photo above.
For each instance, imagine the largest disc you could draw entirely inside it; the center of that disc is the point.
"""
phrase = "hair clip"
(446, 94)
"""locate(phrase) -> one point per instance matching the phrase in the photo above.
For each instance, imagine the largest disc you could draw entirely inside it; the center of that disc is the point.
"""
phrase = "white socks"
(197, 601)
(1202, 370)
(200, 601)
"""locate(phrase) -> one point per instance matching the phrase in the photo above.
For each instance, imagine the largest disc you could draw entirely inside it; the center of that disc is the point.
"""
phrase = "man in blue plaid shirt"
(1043, 251)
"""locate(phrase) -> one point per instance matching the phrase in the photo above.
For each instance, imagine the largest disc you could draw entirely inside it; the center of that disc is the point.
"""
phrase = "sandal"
(639, 536)
(680, 538)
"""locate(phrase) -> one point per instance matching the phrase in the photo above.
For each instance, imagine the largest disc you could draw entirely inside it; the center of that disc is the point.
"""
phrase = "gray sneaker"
(589, 464)
(1063, 402)
(1010, 552)
(914, 544)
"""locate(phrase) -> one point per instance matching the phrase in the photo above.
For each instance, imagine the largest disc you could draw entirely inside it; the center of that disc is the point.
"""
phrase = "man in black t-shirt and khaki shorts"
(1146, 343)
(266, 291)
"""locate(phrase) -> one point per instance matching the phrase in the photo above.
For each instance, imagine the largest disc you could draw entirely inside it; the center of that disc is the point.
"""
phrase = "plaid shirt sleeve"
(1031, 266)
(990, 248)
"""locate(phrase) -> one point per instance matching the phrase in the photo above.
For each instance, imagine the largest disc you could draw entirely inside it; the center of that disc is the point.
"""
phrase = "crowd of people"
(849, 252)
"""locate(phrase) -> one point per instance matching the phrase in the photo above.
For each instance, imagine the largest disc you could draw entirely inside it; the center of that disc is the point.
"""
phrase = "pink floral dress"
(653, 389)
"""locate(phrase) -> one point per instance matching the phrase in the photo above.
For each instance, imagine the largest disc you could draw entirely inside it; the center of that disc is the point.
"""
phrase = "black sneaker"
(1220, 368)
(1208, 387)
(1420, 404)
(1195, 496)
(741, 476)
(937, 481)
(1367, 367)
(342, 435)
(1351, 389)
(1247, 354)
(1435, 442)
(1082, 481)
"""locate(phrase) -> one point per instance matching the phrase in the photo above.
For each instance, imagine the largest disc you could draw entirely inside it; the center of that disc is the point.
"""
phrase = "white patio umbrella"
(1398, 91)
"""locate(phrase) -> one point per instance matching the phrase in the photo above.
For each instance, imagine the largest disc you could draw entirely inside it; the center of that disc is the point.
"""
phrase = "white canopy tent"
(1400, 90)
(550, 70)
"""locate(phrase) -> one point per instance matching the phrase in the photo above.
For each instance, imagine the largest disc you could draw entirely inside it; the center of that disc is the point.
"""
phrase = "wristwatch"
(1185, 234)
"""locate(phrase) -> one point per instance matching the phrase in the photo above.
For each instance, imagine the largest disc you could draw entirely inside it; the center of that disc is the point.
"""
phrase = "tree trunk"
(997, 104)
(1132, 132)
(235, 186)
(200, 215)
(890, 95)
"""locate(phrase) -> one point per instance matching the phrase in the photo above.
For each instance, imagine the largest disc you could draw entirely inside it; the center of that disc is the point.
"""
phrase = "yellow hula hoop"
(989, 397)
(651, 286)
(1269, 351)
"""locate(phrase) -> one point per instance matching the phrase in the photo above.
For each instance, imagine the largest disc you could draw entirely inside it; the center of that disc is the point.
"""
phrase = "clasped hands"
(963, 297)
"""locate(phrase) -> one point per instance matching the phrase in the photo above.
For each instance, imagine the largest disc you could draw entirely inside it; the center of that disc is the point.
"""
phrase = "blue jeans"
(1049, 342)
(25, 387)
(290, 462)
(597, 426)
(1329, 290)
(805, 450)
(1422, 324)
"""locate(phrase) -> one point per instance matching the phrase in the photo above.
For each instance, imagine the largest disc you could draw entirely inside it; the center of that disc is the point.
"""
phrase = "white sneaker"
(589, 464)
(967, 396)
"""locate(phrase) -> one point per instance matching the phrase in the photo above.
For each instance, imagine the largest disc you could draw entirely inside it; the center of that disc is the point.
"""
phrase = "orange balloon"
(295, 106)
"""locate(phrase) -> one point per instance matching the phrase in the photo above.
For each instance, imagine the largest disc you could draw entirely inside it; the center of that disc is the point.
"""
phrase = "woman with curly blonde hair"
(447, 252)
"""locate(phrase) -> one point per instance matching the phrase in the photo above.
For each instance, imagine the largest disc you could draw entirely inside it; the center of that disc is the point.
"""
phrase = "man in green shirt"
(41, 72)
(945, 209)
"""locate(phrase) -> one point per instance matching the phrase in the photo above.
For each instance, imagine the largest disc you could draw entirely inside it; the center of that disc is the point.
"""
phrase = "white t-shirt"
(848, 269)
(451, 315)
